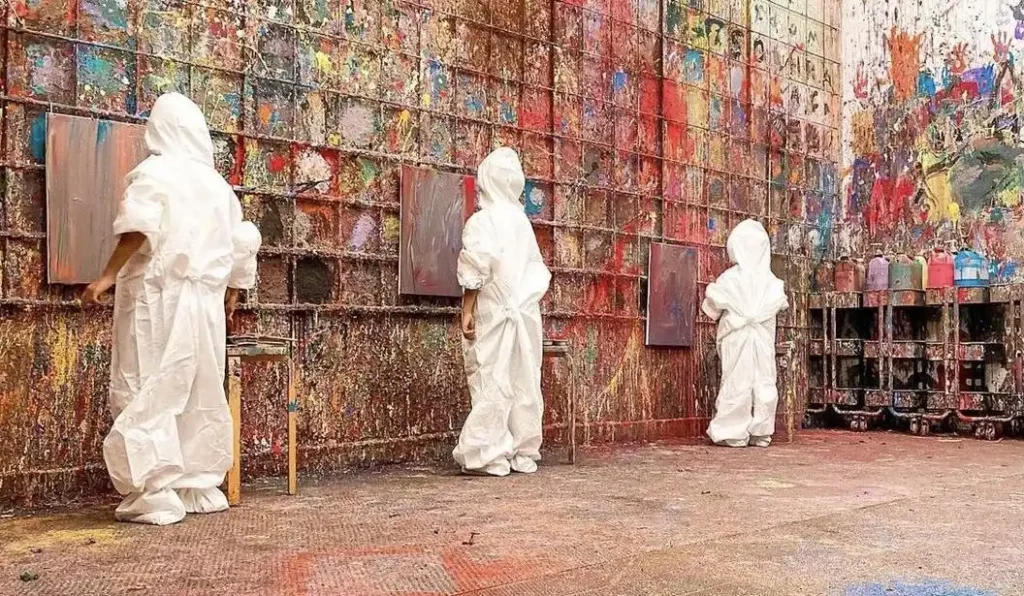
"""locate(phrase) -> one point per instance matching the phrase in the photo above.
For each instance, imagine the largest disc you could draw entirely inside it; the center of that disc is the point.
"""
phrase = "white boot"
(203, 500)
(760, 441)
(732, 443)
(523, 464)
(158, 508)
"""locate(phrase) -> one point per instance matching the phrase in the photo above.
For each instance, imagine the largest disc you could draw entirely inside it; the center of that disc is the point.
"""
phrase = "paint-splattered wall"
(932, 145)
(636, 120)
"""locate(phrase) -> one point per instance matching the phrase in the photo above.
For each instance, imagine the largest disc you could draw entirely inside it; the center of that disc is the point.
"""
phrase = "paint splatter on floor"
(931, 588)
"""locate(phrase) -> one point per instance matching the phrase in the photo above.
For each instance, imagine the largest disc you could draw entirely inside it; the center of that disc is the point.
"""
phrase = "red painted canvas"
(434, 207)
(86, 164)
(671, 295)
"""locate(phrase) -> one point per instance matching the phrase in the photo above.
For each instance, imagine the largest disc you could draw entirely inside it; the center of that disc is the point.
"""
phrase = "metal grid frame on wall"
(637, 121)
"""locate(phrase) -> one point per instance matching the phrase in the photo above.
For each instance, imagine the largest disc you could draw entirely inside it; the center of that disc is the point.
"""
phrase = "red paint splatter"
(277, 163)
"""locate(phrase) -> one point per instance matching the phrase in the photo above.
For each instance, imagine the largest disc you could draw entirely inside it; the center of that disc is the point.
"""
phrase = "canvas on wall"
(86, 164)
(671, 295)
(434, 208)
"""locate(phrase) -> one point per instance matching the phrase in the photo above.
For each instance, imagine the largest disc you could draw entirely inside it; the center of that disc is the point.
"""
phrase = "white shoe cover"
(497, 468)
(203, 500)
(160, 508)
(760, 441)
(523, 464)
(731, 443)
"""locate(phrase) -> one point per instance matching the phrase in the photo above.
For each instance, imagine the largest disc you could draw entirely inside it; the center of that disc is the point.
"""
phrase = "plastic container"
(878, 274)
(903, 274)
(940, 269)
(970, 270)
(922, 265)
(848, 276)
(824, 277)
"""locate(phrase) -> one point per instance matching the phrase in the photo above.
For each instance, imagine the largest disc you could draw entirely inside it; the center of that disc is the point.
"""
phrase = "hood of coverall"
(749, 247)
(177, 128)
(500, 179)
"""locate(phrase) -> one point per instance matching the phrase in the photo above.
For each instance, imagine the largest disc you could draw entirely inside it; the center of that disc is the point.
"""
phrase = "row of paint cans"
(967, 269)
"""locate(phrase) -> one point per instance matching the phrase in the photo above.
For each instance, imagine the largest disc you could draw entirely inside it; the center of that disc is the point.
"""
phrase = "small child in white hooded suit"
(745, 301)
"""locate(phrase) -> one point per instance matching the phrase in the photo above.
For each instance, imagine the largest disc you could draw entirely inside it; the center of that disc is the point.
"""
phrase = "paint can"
(824, 276)
(970, 270)
(921, 264)
(940, 269)
(878, 274)
(904, 274)
(847, 276)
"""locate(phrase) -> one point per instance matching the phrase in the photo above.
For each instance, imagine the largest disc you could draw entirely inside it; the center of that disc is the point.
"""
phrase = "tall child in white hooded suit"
(745, 301)
(183, 253)
(504, 278)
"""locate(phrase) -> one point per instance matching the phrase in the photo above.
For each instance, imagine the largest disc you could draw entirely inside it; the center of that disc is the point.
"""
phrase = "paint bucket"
(824, 277)
(847, 276)
(904, 274)
(970, 270)
(878, 274)
(940, 269)
(922, 265)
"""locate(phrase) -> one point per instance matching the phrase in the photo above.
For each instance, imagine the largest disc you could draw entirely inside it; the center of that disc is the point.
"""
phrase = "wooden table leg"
(235, 404)
(293, 413)
(572, 426)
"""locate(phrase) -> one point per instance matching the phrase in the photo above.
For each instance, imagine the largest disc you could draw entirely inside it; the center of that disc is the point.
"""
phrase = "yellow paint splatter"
(54, 538)
(65, 357)
(938, 190)
(391, 227)
(323, 63)
(1010, 197)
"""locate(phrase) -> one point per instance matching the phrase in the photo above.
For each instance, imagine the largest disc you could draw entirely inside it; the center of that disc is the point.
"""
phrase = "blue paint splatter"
(984, 77)
(693, 66)
(926, 589)
(37, 138)
(508, 113)
(533, 199)
(102, 130)
(619, 80)
(925, 84)
(474, 104)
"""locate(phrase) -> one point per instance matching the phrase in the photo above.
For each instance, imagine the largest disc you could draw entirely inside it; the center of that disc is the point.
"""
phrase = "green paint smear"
(368, 171)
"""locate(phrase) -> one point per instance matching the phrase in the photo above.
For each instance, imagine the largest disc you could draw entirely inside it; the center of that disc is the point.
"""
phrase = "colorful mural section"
(933, 153)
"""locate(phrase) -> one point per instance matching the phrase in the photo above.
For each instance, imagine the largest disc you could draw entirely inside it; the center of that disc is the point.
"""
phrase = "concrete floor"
(834, 513)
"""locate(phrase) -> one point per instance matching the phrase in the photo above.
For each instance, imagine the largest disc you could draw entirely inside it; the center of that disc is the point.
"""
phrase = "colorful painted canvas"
(86, 164)
(434, 207)
(671, 295)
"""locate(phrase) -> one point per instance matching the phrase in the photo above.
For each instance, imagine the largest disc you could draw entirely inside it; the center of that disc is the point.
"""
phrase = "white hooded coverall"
(171, 442)
(745, 300)
(501, 259)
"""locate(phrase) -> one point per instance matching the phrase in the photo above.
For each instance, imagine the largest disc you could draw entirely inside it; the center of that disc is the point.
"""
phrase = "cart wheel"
(808, 420)
(990, 432)
(979, 431)
(914, 426)
(925, 428)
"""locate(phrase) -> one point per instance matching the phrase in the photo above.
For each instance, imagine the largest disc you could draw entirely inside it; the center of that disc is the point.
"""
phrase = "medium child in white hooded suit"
(183, 252)
(745, 301)
(504, 278)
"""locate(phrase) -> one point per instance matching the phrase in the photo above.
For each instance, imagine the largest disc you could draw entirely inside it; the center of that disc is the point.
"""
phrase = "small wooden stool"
(559, 348)
(256, 349)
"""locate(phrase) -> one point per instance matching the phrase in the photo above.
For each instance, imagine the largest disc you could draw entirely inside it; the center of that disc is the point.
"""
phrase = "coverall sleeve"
(142, 208)
(477, 256)
(710, 306)
(246, 241)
